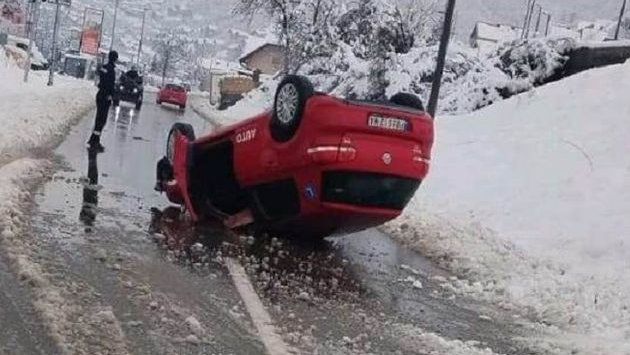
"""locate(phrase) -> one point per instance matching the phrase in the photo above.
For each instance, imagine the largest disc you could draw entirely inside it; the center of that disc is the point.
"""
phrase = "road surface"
(112, 284)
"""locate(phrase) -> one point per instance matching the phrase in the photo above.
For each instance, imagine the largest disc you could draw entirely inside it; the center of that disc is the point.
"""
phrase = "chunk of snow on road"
(530, 198)
(195, 326)
(417, 284)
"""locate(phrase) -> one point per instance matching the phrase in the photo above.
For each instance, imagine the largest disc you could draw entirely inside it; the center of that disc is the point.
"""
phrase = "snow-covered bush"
(366, 50)
(529, 63)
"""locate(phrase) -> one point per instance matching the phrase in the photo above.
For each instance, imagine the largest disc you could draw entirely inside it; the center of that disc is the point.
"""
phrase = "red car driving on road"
(313, 166)
(173, 94)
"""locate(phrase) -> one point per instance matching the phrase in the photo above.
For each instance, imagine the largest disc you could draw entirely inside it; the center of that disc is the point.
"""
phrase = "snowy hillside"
(209, 22)
(531, 198)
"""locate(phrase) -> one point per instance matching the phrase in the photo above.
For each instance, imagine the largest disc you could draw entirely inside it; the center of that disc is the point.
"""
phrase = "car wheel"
(182, 128)
(138, 104)
(116, 102)
(182, 107)
(291, 96)
(407, 100)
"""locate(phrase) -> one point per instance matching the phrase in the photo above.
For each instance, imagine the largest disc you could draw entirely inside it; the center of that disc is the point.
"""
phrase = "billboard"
(91, 31)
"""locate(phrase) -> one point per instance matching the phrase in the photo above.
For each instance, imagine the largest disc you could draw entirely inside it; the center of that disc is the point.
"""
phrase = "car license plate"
(387, 122)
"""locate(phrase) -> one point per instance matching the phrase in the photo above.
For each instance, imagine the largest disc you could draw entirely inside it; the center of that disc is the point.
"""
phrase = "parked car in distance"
(313, 166)
(173, 94)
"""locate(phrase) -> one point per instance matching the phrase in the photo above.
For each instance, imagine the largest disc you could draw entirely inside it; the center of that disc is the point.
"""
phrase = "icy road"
(94, 273)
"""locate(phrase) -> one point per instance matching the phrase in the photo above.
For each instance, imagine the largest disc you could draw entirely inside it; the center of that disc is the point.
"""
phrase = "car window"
(175, 87)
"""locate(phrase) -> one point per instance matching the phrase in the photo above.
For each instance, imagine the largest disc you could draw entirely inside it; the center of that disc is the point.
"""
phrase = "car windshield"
(174, 87)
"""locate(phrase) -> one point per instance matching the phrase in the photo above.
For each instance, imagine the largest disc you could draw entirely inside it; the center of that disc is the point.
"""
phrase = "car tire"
(182, 107)
(138, 104)
(182, 128)
(407, 100)
(116, 102)
(288, 108)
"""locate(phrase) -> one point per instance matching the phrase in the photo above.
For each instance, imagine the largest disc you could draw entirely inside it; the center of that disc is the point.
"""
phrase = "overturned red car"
(313, 166)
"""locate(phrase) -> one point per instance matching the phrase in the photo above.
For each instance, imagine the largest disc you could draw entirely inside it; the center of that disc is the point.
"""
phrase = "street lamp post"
(111, 47)
(144, 17)
(53, 55)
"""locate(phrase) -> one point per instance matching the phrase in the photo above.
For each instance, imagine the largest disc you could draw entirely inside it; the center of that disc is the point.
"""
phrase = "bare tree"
(300, 24)
(172, 48)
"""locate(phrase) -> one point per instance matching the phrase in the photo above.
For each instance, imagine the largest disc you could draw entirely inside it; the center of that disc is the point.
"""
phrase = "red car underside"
(343, 171)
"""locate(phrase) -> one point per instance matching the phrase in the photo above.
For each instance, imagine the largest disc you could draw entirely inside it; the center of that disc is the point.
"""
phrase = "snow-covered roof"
(220, 65)
(496, 32)
(255, 42)
(256, 50)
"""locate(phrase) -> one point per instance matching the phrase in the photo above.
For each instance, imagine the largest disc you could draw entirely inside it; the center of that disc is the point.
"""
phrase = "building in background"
(267, 59)
(486, 37)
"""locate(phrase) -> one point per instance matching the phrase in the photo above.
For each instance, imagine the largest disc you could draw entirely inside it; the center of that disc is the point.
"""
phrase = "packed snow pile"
(529, 200)
(35, 115)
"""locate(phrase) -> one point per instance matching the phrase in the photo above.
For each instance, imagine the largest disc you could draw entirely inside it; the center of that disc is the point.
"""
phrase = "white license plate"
(391, 123)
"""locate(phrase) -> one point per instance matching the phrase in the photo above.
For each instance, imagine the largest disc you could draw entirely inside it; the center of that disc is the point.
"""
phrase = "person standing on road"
(106, 86)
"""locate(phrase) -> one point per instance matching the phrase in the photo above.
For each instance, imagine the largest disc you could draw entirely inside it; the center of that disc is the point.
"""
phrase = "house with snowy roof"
(487, 36)
(267, 58)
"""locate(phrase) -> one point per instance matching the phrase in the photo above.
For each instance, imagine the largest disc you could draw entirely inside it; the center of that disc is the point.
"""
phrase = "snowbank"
(253, 103)
(33, 115)
(529, 199)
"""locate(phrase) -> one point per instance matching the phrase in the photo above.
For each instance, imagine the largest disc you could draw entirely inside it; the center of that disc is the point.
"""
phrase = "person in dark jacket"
(106, 87)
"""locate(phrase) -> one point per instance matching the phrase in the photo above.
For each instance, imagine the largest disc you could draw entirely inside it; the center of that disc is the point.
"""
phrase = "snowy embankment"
(529, 200)
(34, 116)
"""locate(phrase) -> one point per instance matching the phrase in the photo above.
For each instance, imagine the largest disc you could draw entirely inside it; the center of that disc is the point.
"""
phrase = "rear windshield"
(174, 87)
(368, 189)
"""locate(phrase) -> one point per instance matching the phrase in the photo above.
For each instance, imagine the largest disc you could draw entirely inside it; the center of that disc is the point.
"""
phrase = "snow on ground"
(529, 199)
(255, 102)
(34, 115)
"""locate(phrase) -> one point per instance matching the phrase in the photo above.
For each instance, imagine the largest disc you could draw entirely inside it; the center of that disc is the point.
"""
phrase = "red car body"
(173, 94)
(349, 166)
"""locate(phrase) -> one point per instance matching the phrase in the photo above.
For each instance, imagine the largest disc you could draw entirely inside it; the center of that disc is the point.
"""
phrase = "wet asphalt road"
(102, 237)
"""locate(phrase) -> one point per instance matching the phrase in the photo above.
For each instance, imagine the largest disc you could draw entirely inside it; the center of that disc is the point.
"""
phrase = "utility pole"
(621, 13)
(529, 19)
(538, 20)
(441, 60)
(30, 34)
(53, 53)
(144, 18)
(548, 24)
(529, 5)
(111, 46)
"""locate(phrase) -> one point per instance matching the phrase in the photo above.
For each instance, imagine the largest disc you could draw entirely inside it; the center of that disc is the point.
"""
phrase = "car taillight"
(419, 156)
(332, 154)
